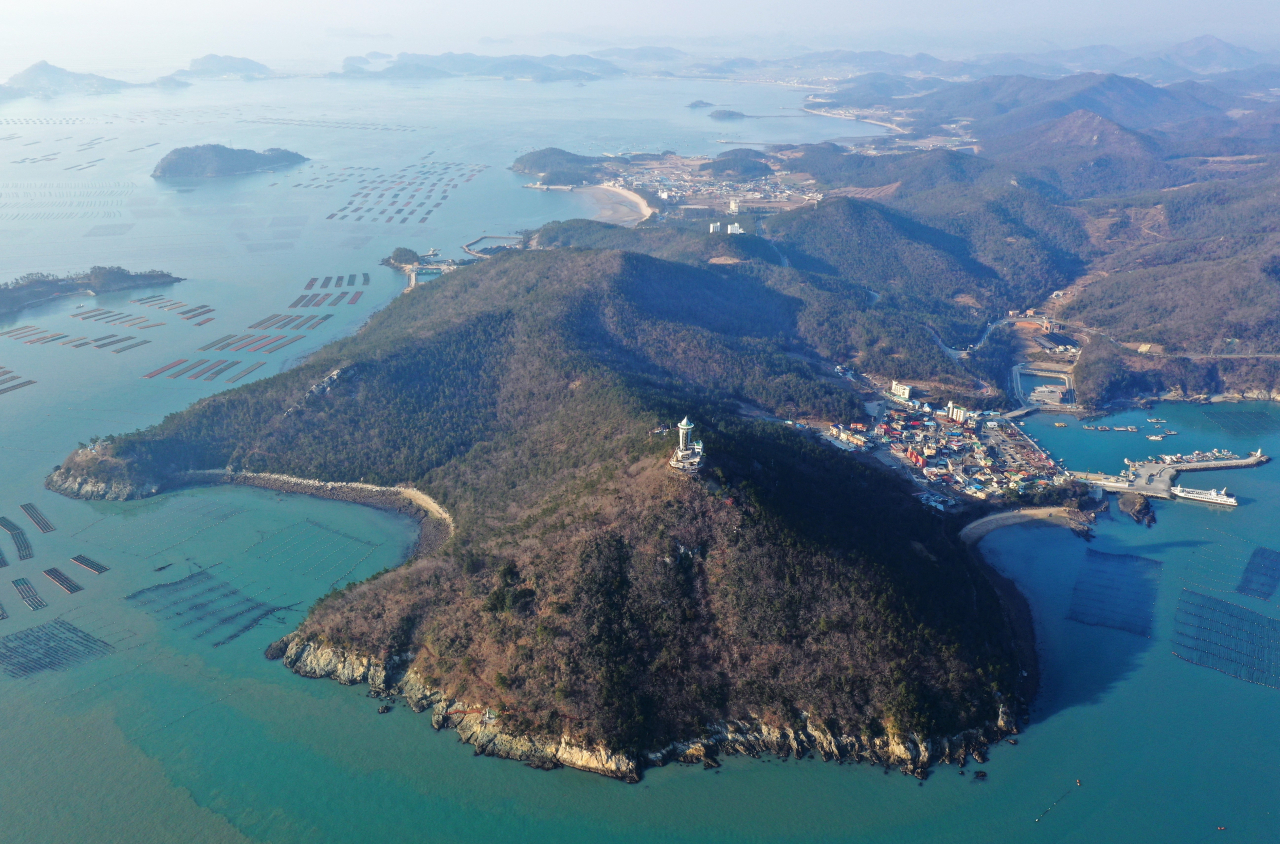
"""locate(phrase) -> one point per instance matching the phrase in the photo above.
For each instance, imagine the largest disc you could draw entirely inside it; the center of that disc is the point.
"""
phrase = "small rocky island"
(1138, 507)
(33, 288)
(726, 114)
(216, 160)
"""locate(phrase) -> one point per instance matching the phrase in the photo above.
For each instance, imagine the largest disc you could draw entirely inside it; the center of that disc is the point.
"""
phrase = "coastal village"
(957, 455)
(688, 188)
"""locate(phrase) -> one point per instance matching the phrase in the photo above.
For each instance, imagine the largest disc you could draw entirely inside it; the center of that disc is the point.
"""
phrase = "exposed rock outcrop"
(73, 484)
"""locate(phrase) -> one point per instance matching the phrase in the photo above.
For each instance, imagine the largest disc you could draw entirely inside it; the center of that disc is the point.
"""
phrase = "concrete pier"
(1156, 480)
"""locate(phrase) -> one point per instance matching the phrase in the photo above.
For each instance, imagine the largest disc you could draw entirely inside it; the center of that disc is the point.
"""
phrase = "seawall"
(435, 524)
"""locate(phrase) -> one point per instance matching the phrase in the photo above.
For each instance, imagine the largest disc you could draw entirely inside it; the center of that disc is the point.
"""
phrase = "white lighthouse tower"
(688, 456)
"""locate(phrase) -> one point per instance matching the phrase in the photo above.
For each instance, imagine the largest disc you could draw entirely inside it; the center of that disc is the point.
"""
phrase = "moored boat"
(1208, 496)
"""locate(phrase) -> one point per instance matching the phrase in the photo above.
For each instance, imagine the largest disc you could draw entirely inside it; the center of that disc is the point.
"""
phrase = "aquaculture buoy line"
(19, 537)
(201, 597)
(33, 512)
(1055, 803)
(28, 594)
(91, 565)
(68, 585)
(53, 646)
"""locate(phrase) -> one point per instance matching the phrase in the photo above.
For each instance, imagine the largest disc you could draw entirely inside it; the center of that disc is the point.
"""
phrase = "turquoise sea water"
(165, 737)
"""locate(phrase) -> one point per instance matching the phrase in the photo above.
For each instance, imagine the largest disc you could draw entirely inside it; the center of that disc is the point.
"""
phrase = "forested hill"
(587, 590)
(33, 288)
(216, 160)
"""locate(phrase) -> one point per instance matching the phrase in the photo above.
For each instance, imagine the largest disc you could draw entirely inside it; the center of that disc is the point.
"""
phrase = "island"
(700, 104)
(555, 166)
(627, 559)
(726, 114)
(214, 66)
(34, 288)
(209, 160)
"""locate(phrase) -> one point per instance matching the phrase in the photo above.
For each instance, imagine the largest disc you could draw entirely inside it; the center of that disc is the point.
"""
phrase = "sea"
(137, 706)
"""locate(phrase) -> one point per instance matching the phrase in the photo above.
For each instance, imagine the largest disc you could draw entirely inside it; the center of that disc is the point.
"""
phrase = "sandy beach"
(616, 205)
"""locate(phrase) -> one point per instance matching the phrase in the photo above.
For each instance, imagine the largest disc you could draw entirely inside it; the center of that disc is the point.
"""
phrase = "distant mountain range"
(865, 75)
(574, 68)
(1194, 59)
(216, 67)
(45, 80)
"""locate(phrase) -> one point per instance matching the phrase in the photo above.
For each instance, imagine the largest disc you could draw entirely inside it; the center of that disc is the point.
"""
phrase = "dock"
(1156, 479)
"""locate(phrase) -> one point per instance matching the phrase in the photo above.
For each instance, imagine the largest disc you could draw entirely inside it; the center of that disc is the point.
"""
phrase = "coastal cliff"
(483, 726)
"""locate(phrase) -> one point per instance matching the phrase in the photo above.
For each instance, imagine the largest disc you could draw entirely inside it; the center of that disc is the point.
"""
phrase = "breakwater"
(1155, 479)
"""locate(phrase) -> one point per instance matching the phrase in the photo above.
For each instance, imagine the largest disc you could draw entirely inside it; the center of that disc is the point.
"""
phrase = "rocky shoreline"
(479, 726)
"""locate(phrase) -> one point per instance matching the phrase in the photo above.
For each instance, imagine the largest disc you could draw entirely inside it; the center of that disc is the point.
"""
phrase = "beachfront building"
(688, 456)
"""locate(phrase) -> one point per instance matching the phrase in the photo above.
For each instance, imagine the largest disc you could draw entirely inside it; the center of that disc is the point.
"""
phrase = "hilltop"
(610, 612)
(1085, 154)
(554, 166)
(216, 160)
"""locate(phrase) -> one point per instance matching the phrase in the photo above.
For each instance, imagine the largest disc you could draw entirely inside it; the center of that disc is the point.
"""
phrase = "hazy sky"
(150, 36)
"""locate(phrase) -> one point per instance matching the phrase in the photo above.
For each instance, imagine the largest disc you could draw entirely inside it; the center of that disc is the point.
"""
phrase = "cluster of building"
(957, 453)
(689, 192)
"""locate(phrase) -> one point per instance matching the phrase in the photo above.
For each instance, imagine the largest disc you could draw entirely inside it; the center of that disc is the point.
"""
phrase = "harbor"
(1155, 478)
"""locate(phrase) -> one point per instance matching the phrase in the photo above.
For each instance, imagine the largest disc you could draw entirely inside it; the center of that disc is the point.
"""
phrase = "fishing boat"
(1103, 428)
(1171, 433)
(1090, 428)
(1158, 421)
(1156, 437)
(1059, 424)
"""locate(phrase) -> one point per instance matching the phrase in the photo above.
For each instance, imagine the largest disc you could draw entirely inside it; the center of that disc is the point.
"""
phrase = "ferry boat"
(1208, 496)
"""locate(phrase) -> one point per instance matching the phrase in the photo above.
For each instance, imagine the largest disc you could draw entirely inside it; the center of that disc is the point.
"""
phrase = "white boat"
(1158, 421)
(1155, 437)
(1208, 496)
